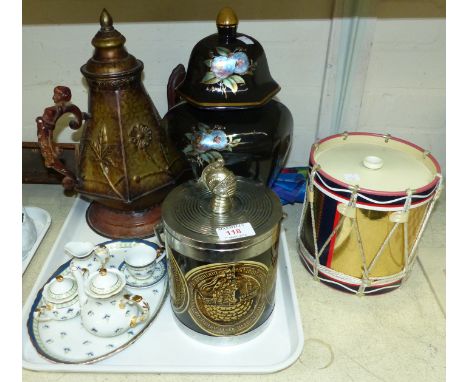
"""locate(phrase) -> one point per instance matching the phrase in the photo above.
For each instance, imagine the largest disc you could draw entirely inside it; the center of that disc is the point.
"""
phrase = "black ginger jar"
(224, 106)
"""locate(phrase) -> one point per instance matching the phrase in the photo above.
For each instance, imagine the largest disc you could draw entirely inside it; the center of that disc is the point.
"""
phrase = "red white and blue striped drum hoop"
(369, 197)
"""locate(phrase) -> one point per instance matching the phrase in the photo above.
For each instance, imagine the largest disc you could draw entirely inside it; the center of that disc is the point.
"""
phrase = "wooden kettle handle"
(45, 132)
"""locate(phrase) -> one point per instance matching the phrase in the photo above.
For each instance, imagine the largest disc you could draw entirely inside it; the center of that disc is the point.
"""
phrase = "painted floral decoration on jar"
(242, 62)
(204, 142)
(226, 69)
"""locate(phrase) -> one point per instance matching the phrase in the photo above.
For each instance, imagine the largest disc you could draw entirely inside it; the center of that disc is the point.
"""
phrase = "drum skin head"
(374, 163)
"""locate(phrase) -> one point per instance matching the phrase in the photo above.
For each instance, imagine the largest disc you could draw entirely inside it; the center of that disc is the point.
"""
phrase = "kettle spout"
(79, 275)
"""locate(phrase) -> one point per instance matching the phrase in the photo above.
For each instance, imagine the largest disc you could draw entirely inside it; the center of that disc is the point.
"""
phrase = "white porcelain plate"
(41, 220)
(69, 342)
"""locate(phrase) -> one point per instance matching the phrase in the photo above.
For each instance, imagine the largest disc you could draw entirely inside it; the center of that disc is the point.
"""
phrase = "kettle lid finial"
(107, 36)
(106, 20)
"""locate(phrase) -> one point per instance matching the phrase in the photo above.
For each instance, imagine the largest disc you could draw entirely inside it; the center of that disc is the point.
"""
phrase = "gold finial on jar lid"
(226, 17)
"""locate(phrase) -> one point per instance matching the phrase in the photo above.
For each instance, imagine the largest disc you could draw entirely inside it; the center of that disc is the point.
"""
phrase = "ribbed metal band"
(189, 219)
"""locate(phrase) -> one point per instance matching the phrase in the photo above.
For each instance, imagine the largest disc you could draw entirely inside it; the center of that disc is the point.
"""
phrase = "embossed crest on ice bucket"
(221, 235)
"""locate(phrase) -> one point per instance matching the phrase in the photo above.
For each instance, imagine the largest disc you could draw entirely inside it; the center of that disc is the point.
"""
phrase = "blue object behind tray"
(290, 185)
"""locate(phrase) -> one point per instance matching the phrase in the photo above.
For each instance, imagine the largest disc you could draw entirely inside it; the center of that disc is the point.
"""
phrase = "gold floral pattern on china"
(227, 298)
(178, 286)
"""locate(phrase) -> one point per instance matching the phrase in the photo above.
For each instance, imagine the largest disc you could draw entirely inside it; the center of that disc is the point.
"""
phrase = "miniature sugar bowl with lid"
(224, 106)
(60, 300)
(221, 235)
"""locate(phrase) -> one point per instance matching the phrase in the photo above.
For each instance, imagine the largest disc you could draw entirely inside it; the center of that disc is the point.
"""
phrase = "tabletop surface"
(396, 336)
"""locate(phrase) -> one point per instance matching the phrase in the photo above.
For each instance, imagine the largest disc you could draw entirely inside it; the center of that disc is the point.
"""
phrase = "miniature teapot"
(86, 255)
(106, 309)
(61, 302)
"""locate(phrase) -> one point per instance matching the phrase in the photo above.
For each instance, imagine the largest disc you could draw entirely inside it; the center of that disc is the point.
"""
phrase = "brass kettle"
(126, 164)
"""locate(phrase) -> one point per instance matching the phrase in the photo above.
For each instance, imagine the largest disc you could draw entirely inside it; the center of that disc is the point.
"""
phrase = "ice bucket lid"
(228, 69)
(221, 211)
(377, 163)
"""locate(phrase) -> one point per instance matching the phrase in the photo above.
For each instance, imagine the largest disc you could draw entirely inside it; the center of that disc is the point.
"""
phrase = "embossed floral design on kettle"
(126, 164)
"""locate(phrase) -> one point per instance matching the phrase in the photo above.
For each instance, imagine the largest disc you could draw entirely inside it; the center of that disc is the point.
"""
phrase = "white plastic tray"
(41, 220)
(165, 348)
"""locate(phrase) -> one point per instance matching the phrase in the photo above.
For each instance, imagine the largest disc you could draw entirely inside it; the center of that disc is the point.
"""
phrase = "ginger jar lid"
(221, 211)
(228, 69)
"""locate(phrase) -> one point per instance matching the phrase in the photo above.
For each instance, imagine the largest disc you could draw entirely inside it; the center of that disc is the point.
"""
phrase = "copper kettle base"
(118, 224)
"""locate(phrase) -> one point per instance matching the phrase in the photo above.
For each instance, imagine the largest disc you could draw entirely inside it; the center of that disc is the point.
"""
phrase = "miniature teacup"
(142, 263)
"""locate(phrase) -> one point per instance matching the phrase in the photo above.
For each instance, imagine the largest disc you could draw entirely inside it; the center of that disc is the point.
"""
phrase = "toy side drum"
(368, 200)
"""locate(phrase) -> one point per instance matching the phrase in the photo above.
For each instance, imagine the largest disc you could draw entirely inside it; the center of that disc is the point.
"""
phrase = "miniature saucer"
(158, 275)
